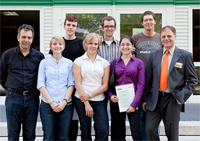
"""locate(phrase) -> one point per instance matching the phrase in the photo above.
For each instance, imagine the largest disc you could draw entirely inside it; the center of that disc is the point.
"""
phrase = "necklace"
(125, 61)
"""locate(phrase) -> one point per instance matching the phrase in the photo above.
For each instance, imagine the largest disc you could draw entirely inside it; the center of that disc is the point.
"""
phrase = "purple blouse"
(134, 73)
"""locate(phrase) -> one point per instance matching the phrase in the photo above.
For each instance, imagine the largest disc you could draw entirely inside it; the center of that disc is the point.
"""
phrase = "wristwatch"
(90, 95)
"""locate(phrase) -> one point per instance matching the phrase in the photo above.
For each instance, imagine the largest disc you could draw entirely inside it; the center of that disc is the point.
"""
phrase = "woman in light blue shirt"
(56, 84)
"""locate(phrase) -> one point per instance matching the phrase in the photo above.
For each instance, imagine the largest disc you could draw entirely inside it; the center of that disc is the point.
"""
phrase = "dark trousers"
(21, 109)
(100, 119)
(118, 127)
(73, 129)
(106, 98)
(168, 110)
(142, 122)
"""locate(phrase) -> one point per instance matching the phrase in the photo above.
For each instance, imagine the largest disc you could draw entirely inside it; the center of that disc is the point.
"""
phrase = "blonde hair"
(89, 39)
(57, 39)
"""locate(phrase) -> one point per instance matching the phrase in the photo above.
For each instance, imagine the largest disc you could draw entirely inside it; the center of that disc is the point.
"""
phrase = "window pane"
(132, 22)
(197, 90)
(88, 23)
(196, 45)
(196, 35)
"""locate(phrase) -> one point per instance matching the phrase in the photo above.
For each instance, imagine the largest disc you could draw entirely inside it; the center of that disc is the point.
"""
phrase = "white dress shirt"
(92, 74)
(170, 55)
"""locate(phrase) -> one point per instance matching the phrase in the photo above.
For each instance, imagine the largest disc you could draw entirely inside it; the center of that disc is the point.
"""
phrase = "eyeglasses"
(107, 27)
(150, 20)
(123, 45)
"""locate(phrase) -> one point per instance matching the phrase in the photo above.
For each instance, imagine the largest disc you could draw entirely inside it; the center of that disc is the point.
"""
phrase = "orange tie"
(164, 72)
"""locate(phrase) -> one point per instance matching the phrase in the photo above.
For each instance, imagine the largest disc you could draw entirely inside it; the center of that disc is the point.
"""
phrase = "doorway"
(11, 20)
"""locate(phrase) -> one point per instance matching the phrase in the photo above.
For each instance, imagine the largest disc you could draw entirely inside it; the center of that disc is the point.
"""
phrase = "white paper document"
(126, 94)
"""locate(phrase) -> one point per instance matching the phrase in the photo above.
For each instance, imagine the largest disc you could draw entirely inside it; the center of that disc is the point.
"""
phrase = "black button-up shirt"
(19, 71)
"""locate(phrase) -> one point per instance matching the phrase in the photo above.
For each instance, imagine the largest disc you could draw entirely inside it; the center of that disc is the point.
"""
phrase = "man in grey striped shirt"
(110, 47)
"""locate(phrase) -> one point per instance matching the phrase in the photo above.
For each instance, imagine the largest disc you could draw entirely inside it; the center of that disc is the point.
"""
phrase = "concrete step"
(186, 128)
(128, 138)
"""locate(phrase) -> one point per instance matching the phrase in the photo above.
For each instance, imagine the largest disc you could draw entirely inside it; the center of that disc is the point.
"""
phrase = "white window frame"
(193, 98)
(40, 9)
(60, 15)
(166, 11)
(191, 8)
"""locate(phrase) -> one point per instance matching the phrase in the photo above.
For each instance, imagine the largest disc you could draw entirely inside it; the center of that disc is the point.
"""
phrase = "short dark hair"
(71, 19)
(169, 27)
(126, 37)
(107, 18)
(25, 27)
(148, 13)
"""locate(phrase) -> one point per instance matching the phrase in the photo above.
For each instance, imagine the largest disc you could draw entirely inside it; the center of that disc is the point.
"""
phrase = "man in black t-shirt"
(73, 45)
(73, 49)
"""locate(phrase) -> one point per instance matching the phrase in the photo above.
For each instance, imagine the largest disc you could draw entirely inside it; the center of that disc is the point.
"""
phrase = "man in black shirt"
(73, 49)
(19, 69)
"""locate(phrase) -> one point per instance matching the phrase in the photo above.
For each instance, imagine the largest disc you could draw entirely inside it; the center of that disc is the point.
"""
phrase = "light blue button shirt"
(56, 78)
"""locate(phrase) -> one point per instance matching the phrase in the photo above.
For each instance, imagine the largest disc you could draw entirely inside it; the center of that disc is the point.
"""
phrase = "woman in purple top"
(128, 69)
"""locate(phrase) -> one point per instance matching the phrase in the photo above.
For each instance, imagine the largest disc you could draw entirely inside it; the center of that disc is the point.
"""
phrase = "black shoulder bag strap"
(112, 78)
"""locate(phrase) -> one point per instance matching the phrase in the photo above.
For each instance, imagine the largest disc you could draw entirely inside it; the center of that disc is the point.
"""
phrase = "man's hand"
(144, 106)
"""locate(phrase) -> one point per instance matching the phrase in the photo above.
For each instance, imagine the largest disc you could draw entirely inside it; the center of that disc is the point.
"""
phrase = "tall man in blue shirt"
(19, 69)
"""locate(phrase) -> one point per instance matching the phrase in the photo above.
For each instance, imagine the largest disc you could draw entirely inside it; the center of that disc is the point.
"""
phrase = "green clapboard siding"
(95, 2)
(26, 2)
(145, 2)
(82, 2)
(187, 2)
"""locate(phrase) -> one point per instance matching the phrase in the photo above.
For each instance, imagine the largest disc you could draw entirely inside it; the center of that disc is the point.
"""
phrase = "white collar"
(86, 57)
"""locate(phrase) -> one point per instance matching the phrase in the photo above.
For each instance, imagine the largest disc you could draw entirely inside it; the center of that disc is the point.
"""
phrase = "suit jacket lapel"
(176, 56)
(158, 61)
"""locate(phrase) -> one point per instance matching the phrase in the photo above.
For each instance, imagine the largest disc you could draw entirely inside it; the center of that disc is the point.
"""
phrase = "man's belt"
(164, 93)
(24, 92)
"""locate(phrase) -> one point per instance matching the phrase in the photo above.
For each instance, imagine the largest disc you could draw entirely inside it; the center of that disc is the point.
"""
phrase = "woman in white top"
(56, 84)
(91, 73)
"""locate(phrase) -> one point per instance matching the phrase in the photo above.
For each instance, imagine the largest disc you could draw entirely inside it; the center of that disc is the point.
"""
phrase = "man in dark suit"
(170, 80)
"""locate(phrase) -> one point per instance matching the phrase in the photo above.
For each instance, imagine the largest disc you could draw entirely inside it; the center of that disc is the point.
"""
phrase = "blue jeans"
(100, 120)
(21, 109)
(48, 117)
(142, 121)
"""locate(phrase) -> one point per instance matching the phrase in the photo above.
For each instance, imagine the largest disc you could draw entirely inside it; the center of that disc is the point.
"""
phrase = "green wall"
(95, 2)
